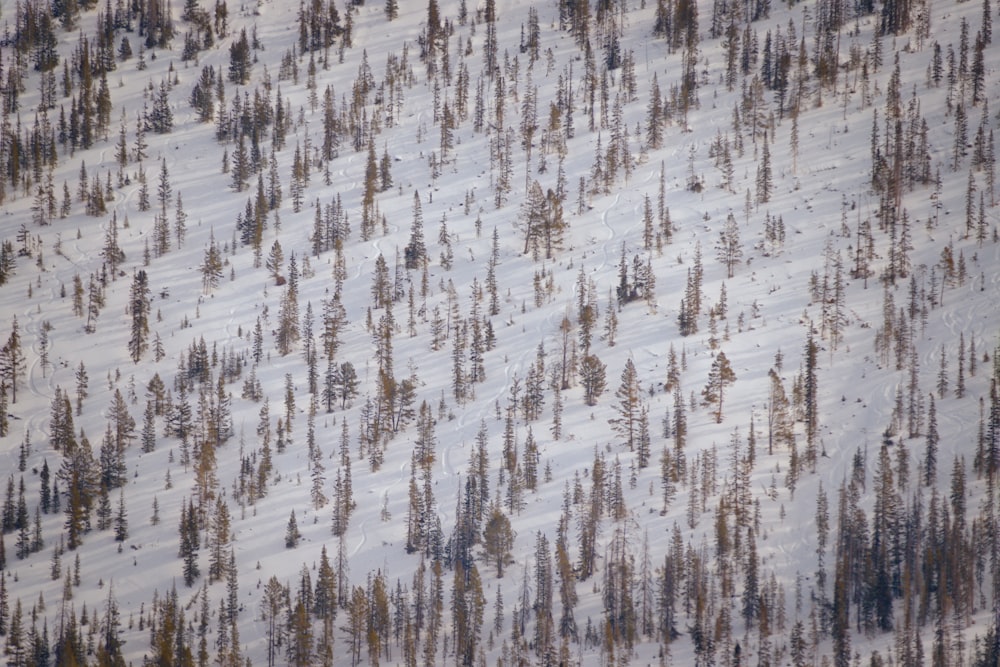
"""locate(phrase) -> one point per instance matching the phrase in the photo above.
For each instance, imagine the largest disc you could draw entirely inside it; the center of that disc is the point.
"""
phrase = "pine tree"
(942, 378)
(180, 221)
(16, 648)
(164, 191)
(730, 251)
(720, 376)
(654, 116)
(219, 538)
(468, 604)
(840, 627)
(161, 118)
(931, 444)
(139, 309)
(81, 477)
(765, 183)
(543, 222)
(190, 541)
(896, 17)
(143, 203)
(112, 253)
(498, 538)
(643, 439)
(629, 407)
(211, 265)
(239, 59)
(13, 362)
(274, 600)
(4, 420)
(593, 378)
(9, 508)
(300, 640)
(203, 95)
(275, 261)
(415, 252)
(325, 592)
(240, 167)
(447, 256)
(292, 534)
(121, 519)
(810, 396)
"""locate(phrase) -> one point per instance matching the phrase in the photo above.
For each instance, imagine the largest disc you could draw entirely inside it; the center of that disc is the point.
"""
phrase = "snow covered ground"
(822, 191)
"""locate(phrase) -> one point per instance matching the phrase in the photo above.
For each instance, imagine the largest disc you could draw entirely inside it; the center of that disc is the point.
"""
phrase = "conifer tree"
(164, 191)
(274, 601)
(643, 439)
(498, 538)
(730, 251)
(720, 376)
(593, 378)
(765, 184)
(275, 261)
(143, 197)
(190, 542)
(13, 362)
(415, 252)
(629, 406)
(810, 396)
(211, 265)
(180, 221)
(161, 118)
(931, 440)
(447, 256)
(239, 59)
(139, 309)
(80, 475)
(468, 604)
(121, 519)
(292, 534)
(942, 378)
(779, 416)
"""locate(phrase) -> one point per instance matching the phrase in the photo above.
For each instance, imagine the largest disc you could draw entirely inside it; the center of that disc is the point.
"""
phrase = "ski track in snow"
(229, 324)
(611, 232)
(363, 539)
(40, 383)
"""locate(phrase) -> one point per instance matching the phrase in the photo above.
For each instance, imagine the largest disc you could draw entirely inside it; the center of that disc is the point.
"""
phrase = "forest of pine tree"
(566, 333)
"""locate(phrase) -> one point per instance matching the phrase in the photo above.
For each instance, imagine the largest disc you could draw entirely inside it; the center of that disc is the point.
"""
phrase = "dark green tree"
(239, 59)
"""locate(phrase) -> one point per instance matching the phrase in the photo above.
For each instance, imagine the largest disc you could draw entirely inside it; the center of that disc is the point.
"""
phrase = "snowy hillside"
(510, 333)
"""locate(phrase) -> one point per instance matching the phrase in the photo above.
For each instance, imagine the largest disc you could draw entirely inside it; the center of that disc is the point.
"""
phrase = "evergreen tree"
(275, 261)
(288, 312)
(292, 535)
(219, 537)
(325, 592)
(13, 362)
(121, 519)
(720, 376)
(730, 251)
(190, 542)
(161, 117)
(139, 309)
(498, 538)
(810, 397)
(81, 477)
(629, 406)
(239, 59)
(273, 602)
(765, 184)
(211, 265)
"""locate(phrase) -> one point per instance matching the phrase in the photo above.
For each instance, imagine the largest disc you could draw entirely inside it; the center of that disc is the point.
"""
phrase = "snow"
(856, 394)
